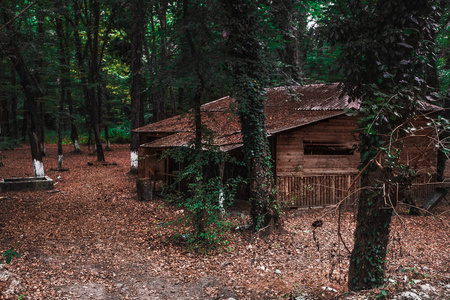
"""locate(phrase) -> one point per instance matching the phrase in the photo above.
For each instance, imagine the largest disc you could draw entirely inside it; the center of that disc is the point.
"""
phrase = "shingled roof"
(286, 108)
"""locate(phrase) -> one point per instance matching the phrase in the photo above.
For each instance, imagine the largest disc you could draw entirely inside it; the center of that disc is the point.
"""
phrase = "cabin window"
(326, 148)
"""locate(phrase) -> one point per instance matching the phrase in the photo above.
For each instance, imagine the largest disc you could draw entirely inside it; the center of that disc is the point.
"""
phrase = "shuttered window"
(326, 148)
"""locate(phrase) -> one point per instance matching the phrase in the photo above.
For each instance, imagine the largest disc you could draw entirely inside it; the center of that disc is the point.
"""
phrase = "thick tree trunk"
(137, 39)
(32, 111)
(244, 51)
(37, 76)
(199, 217)
(32, 91)
(73, 125)
(372, 233)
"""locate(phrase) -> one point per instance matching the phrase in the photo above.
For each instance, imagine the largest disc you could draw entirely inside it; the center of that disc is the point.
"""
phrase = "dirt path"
(93, 240)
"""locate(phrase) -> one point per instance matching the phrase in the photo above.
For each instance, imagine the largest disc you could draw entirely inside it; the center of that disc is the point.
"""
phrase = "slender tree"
(445, 55)
(32, 91)
(138, 21)
(283, 12)
(61, 24)
(93, 75)
(14, 133)
(63, 63)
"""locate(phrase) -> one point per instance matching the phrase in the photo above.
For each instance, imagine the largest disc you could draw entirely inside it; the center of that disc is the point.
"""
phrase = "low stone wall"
(26, 184)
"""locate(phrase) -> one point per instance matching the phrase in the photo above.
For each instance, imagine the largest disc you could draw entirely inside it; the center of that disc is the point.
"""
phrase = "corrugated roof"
(286, 108)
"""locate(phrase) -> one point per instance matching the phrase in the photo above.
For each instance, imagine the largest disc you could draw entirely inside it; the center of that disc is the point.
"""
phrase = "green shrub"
(8, 255)
(8, 143)
(204, 210)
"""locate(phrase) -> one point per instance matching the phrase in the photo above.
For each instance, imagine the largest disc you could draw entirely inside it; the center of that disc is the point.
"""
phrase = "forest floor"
(90, 238)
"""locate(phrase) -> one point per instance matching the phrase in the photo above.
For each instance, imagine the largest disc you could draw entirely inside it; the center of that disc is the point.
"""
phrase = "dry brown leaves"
(94, 240)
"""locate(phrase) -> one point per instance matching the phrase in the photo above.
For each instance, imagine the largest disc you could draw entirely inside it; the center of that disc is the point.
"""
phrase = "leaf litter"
(93, 240)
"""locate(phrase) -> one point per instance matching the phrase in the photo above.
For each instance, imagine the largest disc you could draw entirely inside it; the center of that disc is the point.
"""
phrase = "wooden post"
(144, 189)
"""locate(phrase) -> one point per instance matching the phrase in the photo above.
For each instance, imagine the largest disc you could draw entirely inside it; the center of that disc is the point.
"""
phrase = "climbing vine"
(244, 55)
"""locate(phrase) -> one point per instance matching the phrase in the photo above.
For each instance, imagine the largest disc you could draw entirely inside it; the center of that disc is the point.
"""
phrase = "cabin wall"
(335, 133)
(150, 165)
(314, 166)
(420, 151)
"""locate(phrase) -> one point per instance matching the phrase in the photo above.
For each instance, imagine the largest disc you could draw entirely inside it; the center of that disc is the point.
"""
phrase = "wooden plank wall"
(419, 151)
(291, 160)
(316, 180)
(150, 165)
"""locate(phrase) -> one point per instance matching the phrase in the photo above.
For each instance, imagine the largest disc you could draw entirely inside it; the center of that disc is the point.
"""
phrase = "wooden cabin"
(311, 140)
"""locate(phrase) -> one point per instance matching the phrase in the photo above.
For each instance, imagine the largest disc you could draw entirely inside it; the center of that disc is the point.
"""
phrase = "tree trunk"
(3, 111)
(62, 86)
(37, 76)
(150, 55)
(164, 60)
(73, 126)
(93, 79)
(199, 216)
(137, 39)
(283, 11)
(144, 189)
(244, 51)
(31, 111)
(80, 58)
(173, 100)
(41, 131)
(372, 232)
(65, 79)
(14, 120)
(32, 91)
(442, 156)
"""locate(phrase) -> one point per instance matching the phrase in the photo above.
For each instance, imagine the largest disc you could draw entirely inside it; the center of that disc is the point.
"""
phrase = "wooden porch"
(313, 190)
(317, 190)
